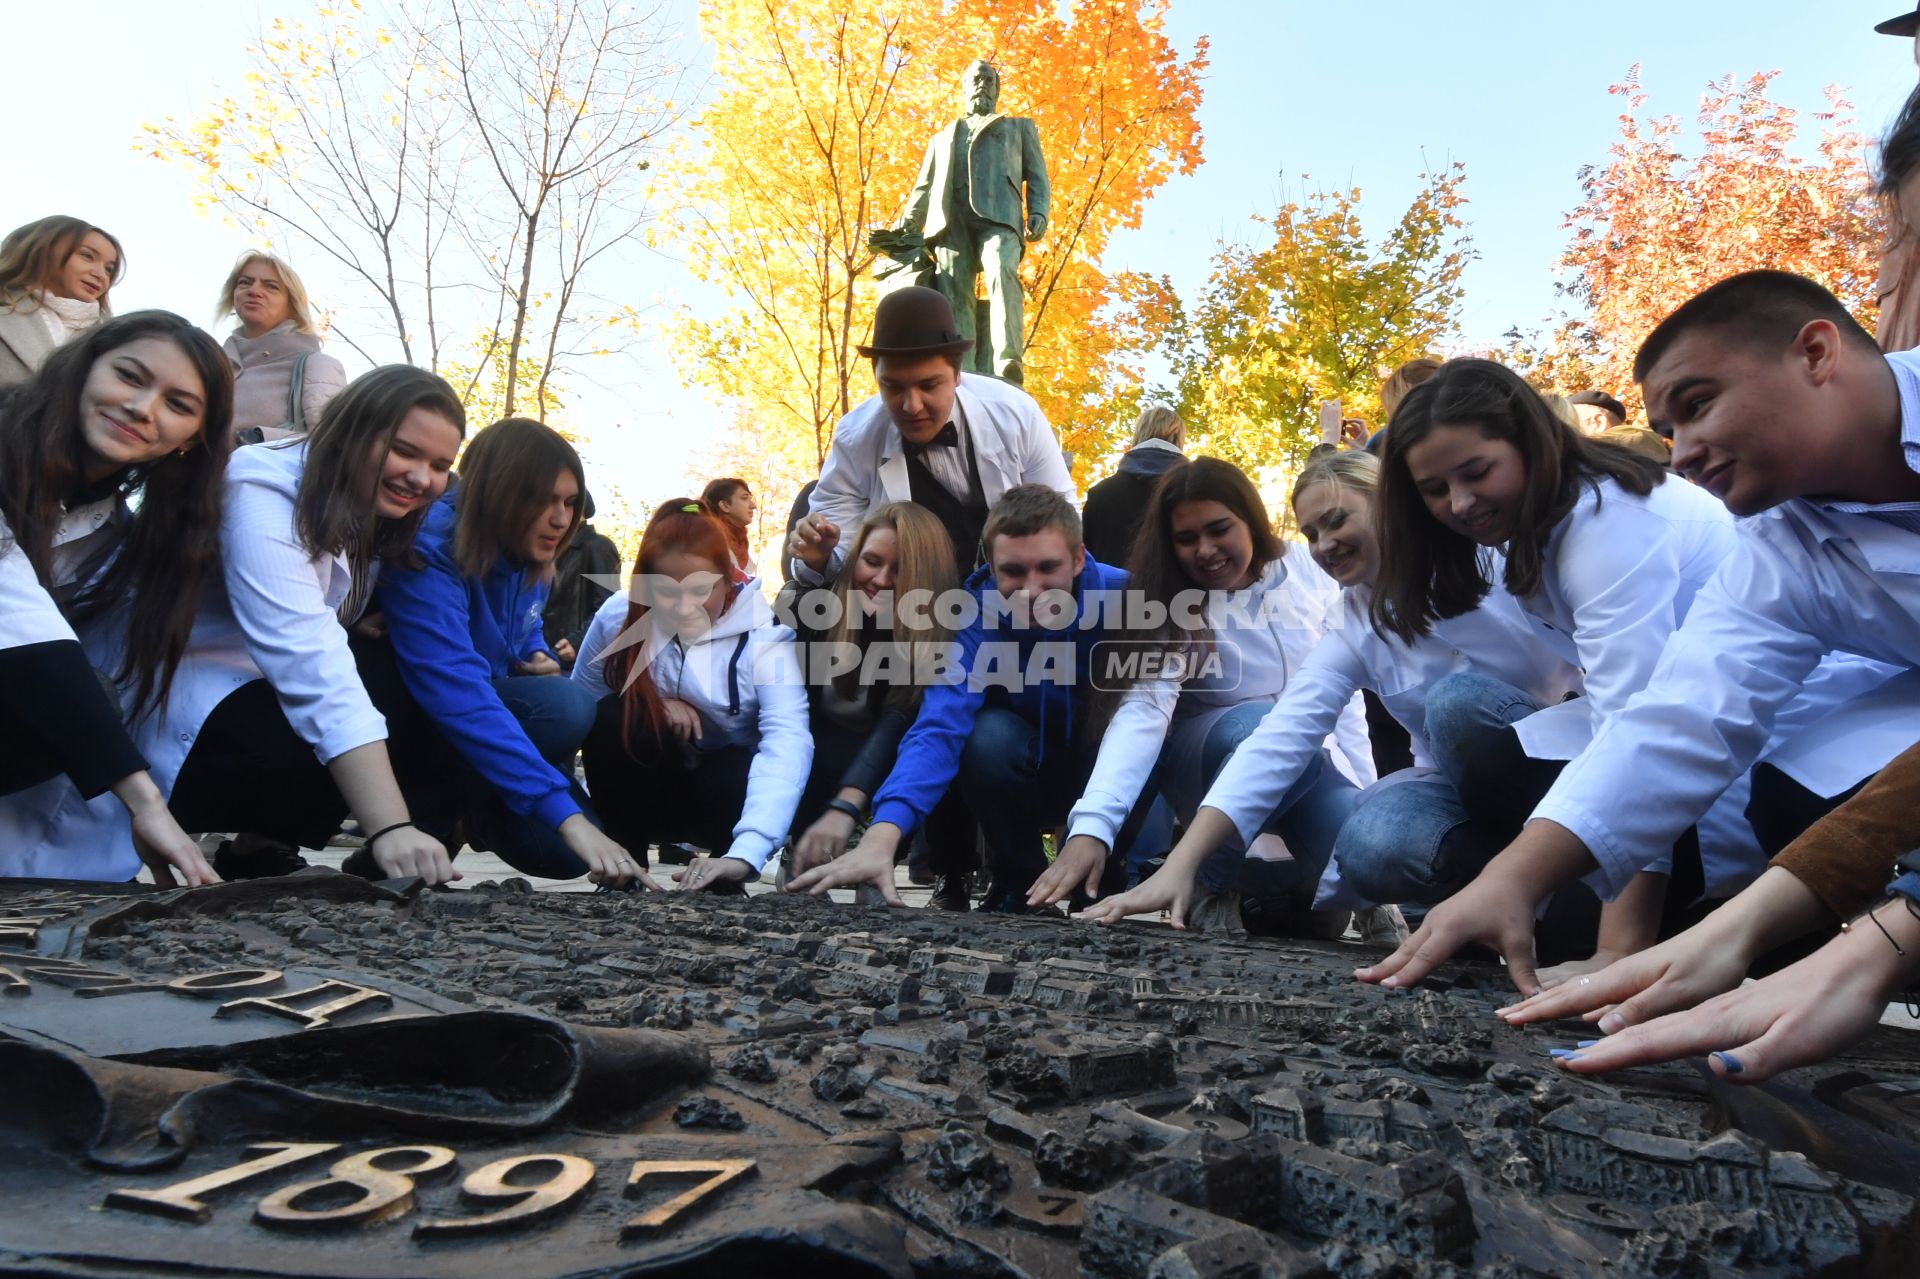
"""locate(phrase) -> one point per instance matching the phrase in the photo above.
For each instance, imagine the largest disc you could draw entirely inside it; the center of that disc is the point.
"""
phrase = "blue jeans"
(1410, 843)
(1016, 784)
(556, 714)
(1415, 842)
(1308, 817)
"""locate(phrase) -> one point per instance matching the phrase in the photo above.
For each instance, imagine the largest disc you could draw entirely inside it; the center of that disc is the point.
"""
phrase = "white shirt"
(1497, 639)
(867, 465)
(1805, 579)
(1263, 636)
(1618, 575)
(747, 694)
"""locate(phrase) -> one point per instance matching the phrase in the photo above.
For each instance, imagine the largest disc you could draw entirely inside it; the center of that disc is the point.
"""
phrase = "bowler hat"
(1904, 25)
(915, 321)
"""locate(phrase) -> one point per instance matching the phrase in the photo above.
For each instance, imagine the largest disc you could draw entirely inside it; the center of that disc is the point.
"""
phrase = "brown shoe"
(955, 893)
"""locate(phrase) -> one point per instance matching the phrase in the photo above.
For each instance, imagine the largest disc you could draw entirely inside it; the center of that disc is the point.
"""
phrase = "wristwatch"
(851, 809)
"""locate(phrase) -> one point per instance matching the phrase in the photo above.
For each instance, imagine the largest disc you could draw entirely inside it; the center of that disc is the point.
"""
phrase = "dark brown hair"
(1153, 569)
(506, 479)
(32, 256)
(169, 544)
(716, 492)
(682, 525)
(333, 508)
(1429, 572)
(1755, 309)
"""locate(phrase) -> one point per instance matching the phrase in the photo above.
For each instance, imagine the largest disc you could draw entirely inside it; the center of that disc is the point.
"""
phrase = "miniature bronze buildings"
(316, 1076)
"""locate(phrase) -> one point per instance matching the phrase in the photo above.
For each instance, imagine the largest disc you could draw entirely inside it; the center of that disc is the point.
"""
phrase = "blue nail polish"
(1731, 1062)
(1561, 1052)
(1588, 1043)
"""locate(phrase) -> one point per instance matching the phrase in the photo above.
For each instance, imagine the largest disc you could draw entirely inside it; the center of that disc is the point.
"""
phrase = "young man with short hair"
(1011, 724)
(1782, 406)
(954, 445)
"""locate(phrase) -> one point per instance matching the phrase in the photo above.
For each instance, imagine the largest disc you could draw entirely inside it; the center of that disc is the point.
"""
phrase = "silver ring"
(1586, 981)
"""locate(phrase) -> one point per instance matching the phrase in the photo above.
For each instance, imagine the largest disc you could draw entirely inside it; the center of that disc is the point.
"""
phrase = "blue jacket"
(454, 636)
(992, 658)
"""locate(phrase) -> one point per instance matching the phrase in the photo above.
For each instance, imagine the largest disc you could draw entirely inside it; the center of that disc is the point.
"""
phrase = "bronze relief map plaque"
(316, 1076)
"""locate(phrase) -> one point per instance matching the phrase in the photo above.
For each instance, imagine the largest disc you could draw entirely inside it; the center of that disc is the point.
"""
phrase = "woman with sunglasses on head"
(110, 482)
(701, 734)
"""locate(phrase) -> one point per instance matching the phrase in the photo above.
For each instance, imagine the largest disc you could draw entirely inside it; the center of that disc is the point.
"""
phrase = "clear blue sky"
(1365, 94)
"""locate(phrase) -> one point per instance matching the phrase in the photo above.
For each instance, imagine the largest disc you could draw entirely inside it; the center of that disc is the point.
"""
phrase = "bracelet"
(385, 830)
(851, 809)
(1847, 927)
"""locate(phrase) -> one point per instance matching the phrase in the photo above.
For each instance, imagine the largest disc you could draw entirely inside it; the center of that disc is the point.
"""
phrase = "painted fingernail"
(1731, 1062)
(1587, 1043)
(1564, 1054)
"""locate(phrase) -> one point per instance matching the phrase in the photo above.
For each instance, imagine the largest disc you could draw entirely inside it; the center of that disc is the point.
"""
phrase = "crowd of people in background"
(1633, 706)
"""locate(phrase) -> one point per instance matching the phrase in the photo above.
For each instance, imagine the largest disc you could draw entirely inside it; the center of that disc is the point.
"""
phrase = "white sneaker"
(1382, 926)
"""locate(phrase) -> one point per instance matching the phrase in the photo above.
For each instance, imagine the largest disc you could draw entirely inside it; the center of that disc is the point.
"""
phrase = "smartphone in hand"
(1329, 421)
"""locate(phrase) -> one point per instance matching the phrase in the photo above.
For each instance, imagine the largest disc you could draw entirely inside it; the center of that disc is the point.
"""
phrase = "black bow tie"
(947, 437)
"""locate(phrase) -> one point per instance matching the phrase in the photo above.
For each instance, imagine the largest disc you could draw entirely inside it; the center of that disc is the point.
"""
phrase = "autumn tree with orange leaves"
(1656, 225)
(821, 111)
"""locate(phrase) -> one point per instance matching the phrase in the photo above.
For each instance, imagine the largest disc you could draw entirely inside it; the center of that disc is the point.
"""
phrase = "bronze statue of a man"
(968, 207)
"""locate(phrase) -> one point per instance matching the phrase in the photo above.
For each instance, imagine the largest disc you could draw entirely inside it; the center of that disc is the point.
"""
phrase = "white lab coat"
(270, 613)
(49, 831)
(1497, 639)
(1805, 580)
(1263, 636)
(749, 694)
(867, 465)
(1620, 572)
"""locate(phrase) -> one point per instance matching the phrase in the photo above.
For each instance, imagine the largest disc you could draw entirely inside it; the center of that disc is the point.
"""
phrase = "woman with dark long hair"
(1604, 546)
(270, 730)
(701, 733)
(867, 643)
(1237, 612)
(134, 409)
(55, 275)
(480, 715)
(1411, 824)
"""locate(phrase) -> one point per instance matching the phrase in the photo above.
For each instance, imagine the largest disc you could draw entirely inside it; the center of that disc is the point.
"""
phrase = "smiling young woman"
(55, 275)
(1205, 536)
(271, 731)
(134, 409)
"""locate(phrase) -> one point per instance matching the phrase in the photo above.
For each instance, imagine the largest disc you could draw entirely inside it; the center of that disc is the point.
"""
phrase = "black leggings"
(249, 771)
(664, 795)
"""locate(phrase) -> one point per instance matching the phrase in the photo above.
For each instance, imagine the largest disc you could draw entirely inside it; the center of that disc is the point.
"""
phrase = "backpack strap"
(296, 395)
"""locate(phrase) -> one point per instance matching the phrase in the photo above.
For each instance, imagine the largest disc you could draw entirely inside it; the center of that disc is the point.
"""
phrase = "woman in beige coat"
(54, 278)
(275, 342)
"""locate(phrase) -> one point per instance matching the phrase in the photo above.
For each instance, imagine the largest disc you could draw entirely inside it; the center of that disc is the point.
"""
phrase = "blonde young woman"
(275, 348)
(55, 275)
(862, 641)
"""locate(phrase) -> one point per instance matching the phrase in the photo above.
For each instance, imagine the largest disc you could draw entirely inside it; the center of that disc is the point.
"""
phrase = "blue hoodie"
(929, 755)
(455, 635)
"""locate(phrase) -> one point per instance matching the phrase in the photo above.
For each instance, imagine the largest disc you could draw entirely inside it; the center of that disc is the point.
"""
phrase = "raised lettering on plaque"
(182, 1199)
(200, 986)
(723, 1172)
(316, 1016)
(570, 1177)
(383, 1193)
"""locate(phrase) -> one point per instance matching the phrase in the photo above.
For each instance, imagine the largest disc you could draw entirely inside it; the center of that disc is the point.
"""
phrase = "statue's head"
(979, 87)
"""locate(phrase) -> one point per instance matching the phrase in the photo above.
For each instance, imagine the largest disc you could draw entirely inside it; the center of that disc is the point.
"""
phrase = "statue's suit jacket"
(1003, 156)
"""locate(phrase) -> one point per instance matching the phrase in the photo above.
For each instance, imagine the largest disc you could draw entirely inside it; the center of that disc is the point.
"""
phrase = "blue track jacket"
(454, 636)
(929, 756)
